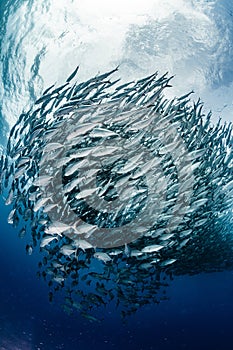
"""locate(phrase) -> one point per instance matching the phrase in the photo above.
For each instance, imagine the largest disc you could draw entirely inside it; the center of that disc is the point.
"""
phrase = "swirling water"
(191, 40)
(33, 51)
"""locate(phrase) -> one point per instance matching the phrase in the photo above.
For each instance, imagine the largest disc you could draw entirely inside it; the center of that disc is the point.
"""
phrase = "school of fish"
(120, 189)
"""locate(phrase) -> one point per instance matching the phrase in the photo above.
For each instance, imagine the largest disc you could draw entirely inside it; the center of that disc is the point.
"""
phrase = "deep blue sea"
(199, 309)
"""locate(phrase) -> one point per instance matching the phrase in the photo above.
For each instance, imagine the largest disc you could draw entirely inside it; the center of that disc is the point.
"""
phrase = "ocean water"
(41, 43)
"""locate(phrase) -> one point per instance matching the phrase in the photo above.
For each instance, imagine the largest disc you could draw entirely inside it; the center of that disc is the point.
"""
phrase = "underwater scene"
(116, 174)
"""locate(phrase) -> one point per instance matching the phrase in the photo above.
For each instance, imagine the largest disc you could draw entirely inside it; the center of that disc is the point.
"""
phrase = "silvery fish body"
(123, 179)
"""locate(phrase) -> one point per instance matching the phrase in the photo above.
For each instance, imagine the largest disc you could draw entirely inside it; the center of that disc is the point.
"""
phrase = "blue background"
(198, 314)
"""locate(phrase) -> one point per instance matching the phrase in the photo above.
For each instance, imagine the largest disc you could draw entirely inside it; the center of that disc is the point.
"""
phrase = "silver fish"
(117, 185)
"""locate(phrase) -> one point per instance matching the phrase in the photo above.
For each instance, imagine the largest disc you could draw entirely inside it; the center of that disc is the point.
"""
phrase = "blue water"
(198, 313)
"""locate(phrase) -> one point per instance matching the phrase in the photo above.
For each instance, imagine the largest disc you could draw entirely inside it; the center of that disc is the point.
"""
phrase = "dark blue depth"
(198, 314)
